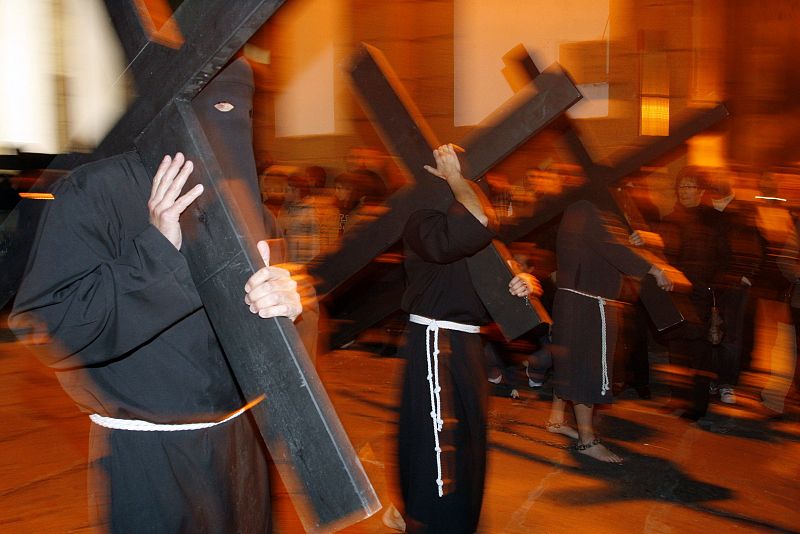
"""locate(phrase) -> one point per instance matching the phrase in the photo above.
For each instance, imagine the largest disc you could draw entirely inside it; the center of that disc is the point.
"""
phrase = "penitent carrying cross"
(599, 178)
(307, 443)
(405, 131)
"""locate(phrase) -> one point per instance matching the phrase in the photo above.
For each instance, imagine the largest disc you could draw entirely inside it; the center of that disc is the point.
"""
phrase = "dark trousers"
(734, 303)
(633, 365)
(694, 355)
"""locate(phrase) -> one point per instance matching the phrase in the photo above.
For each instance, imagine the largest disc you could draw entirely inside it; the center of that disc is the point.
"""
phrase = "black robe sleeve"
(607, 238)
(446, 237)
(437, 245)
(101, 280)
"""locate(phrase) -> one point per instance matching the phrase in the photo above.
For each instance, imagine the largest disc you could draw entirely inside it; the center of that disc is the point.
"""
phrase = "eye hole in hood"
(224, 106)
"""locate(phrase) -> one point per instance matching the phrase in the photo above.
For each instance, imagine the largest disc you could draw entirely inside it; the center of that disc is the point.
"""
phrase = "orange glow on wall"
(654, 115)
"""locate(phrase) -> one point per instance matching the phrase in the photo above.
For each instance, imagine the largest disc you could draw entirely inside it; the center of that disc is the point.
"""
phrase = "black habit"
(439, 287)
(111, 305)
(593, 255)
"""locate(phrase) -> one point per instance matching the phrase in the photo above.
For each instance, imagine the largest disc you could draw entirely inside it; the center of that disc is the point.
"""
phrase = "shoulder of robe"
(116, 180)
(105, 175)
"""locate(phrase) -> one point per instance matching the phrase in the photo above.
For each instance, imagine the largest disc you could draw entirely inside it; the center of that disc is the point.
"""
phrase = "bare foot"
(598, 451)
(393, 519)
(561, 428)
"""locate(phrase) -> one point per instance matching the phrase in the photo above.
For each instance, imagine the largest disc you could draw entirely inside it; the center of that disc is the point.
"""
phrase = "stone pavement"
(733, 472)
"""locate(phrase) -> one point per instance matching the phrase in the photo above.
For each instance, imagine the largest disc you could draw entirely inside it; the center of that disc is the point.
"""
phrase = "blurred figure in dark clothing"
(355, 193)
(694, 244)
(633, 368)
(738, 228)
(274, 183)
(773, 289)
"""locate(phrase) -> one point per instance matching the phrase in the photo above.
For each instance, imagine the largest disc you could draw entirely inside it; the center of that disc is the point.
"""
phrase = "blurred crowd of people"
(728, 231)
(732, 233)
(312, 211)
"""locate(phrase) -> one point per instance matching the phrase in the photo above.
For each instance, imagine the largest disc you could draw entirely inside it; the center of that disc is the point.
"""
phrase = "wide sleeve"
(95, 287)
(606, 237)
(445, 237)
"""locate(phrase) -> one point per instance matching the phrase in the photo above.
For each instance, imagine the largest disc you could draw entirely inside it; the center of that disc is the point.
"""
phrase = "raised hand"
(166, 202)
(447, 165)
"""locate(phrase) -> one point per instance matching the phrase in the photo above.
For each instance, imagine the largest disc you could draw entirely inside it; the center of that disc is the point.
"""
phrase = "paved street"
(734, 472)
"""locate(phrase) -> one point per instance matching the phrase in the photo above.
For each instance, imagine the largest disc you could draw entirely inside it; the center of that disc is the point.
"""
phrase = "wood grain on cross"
(406, 133)
(309, 447)
(599, 178)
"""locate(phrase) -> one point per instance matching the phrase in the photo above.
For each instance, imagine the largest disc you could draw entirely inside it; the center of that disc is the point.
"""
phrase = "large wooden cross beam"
(297, 421)
(405, 131)
(688, 124)
(211, 33)
(599, 178)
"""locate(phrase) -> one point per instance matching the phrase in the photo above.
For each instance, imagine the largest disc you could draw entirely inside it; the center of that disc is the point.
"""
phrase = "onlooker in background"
(370, 163)
(352, 191)
(274, 182)
(317, 179)
(324, 204)
(500, 197)
(738, 228)
(693, 243)
(298, 220)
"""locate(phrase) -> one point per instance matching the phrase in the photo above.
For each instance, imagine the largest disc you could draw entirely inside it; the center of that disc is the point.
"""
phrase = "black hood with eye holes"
(230, 133)
(224, 109)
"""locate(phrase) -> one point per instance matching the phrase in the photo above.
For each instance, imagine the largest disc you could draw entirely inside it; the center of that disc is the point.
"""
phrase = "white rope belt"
(602, 304)
(147, 426)
(433, 378)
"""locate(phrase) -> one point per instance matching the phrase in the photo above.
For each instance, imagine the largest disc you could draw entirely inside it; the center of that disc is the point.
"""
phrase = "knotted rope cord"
(146, 426)
(434, 387)
(601, 302)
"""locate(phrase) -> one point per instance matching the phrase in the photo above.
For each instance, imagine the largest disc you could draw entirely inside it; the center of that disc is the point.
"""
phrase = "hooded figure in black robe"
(112, 304)
(439, 286)
(442, 471)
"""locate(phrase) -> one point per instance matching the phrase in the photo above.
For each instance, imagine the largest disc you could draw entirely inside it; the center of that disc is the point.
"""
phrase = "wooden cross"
(307, 442)
(405, 131)
(659, 304)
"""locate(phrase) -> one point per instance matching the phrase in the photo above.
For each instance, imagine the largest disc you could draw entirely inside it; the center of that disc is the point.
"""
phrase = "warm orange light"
(37, 196)
(654, 117)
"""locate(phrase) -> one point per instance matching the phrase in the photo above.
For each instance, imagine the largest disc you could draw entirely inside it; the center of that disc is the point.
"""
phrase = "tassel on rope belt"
(601, 302)
(433, 327)
(147, 426)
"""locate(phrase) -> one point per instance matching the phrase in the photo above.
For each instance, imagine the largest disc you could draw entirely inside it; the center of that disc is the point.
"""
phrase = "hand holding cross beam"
(524, 284)
(271, 291)
(448, 168)
(662, 278)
